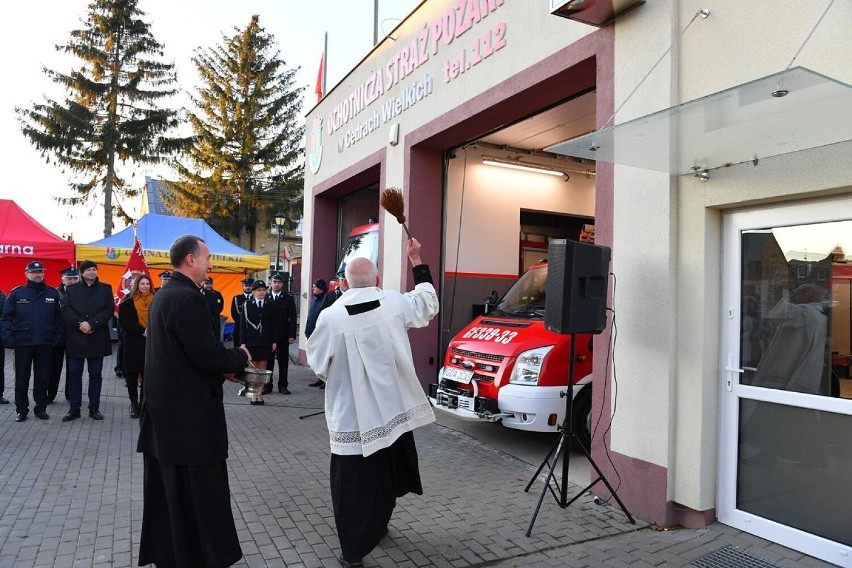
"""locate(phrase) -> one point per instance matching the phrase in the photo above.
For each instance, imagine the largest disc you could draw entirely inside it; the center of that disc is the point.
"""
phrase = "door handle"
(731, 370)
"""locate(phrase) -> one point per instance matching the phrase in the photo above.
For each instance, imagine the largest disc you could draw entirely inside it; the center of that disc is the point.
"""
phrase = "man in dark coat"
(215, 303)
(87, 309)
(57, 355)
(285, 320)
(187, 518)
(31, 323)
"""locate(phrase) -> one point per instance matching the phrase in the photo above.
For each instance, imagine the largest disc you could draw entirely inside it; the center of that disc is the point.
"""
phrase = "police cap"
(277, 278)
(247, 281)
(35, 266)
(70, 273)
(258, 284)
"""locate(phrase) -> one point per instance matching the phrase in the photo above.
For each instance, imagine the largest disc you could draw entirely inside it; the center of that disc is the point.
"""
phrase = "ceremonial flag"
(135, 265)
(320, 87)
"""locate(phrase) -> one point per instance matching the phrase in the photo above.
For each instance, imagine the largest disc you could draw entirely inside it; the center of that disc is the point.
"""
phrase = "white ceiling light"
(524, 166)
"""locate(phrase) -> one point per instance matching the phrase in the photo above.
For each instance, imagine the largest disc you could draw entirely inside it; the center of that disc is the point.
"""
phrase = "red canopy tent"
(22, 240)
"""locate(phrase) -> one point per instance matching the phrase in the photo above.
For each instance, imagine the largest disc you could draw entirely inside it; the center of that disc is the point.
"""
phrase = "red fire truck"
(363, 242)
(505, 366)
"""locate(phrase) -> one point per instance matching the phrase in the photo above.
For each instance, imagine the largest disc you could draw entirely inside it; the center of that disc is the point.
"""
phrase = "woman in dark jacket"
(133, 319)
(257, 329)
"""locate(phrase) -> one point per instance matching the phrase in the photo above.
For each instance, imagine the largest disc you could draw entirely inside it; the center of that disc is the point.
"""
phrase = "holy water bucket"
(255, 379)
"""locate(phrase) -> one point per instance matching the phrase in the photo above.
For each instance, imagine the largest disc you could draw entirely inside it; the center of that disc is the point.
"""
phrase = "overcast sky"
(33, 28)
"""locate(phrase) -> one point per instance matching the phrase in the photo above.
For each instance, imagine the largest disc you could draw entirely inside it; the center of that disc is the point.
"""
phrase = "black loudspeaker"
(576, 287)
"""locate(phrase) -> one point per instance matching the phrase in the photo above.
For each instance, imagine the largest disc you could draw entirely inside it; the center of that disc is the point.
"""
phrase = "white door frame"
(731, 391)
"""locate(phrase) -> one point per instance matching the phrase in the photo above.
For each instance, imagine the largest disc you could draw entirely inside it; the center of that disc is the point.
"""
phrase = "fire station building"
(709, 149)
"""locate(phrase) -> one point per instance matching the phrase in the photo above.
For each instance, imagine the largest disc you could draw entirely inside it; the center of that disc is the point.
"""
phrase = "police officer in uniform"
(165, 278)
(31, 323)
(70, 276)
(284, 315)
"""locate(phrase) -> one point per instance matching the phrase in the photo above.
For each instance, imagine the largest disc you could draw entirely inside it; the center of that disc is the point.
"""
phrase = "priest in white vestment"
(373, 399)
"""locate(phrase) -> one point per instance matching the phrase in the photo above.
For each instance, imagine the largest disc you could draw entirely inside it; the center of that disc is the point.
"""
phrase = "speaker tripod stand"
(561, 447)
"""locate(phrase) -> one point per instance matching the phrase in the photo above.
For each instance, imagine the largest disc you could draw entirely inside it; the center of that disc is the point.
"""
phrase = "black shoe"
(134, 410)
(322, 387)
(41, 415)
(72, 415)
(50, 401)
(351, 563)
(20, 416)
(3, 400)
(95, 415)
(317, 383)
(284, 390)
(267, 389)
(256, 402)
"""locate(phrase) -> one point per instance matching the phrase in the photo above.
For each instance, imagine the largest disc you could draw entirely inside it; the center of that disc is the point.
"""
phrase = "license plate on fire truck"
(458, 375)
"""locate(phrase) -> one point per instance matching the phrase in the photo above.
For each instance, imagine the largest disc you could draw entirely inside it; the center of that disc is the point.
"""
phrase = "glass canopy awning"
(794, 110)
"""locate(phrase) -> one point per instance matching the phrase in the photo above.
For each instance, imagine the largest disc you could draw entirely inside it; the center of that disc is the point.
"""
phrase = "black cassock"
(364, 492)
(187, 518)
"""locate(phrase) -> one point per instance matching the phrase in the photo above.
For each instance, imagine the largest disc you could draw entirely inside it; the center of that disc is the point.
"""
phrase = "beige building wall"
(667, 245)
(667, 229)
(530, 36)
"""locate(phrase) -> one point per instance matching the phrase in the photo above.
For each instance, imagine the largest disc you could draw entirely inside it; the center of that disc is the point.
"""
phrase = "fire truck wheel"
(581, 416)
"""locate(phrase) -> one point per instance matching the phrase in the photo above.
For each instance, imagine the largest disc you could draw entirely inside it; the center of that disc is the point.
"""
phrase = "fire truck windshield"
(525, 299)
(361, 245)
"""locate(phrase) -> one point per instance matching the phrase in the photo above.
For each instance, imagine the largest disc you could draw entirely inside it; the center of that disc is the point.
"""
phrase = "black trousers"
(35, 360)
(134, 389)
(282, 355)
(57, 361)
(2, 370)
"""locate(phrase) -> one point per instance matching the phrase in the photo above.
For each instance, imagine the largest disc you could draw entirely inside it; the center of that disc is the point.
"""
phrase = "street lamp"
(280, 219)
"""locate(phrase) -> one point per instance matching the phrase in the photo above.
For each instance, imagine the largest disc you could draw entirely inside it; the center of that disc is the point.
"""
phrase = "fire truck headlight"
(528, 366)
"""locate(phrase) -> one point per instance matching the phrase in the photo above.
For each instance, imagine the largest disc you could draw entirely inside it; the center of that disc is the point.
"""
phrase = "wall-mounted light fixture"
(524, 166)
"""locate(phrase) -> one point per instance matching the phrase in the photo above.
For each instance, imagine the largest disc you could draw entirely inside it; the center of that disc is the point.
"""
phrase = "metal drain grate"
(733, 557)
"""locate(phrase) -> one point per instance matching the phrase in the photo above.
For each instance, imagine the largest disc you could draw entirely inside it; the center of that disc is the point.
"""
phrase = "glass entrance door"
(786, 404)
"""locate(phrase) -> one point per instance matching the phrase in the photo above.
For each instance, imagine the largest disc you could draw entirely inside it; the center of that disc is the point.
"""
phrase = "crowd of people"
(69, 327)
(358, 347)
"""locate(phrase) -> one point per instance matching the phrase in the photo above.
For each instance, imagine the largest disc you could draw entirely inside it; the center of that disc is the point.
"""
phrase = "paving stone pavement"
(71, 495)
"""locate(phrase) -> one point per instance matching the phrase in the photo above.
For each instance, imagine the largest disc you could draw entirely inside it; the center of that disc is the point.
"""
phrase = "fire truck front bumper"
(532, 408)
(463, 404)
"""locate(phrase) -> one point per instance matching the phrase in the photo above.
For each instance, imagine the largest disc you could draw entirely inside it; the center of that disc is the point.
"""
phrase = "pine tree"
(245, 161)
(111, 115)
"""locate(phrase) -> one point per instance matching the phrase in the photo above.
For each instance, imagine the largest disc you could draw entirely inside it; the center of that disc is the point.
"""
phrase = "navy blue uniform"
(286, 318)
(31, 323)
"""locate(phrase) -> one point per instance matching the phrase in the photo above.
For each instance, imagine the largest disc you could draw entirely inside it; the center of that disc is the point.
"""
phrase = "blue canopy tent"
(156, 233)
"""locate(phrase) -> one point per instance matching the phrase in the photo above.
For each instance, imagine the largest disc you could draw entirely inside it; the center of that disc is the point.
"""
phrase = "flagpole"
(325, 64)
(375, 22)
